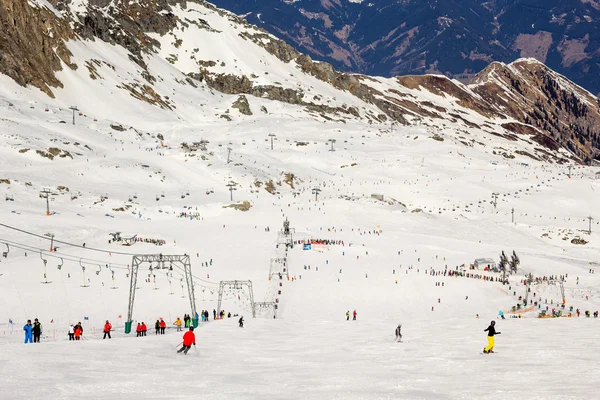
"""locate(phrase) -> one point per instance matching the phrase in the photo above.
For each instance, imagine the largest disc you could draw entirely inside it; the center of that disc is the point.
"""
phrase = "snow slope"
(123, 167)
(310, 351)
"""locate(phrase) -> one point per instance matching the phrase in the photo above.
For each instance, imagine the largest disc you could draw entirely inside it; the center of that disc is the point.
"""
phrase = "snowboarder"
(399, 333)
(37, 331)
(107, 328)
(241, 322)
(28, 332)
(189, 339)
(491, 330)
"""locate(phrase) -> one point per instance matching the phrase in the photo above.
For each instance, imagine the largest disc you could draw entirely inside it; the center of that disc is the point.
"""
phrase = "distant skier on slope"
(107, 329)
(241, 322)
(28, 332)
(189, 339)
(399, 333)
(491, 330)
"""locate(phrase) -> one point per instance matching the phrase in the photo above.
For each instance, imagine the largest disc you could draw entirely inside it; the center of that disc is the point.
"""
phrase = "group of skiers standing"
(32, 331)
(75, 332)
(353, 315)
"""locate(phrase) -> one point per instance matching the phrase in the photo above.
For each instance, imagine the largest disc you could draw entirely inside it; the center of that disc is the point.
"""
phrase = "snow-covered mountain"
(449, 37)
(182, 59)
(199, 135)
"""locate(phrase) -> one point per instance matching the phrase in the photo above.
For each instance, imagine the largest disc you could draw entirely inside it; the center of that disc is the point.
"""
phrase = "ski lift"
(162, 194)
(61, 264)
(157, 198)
(5, 253)
(182, 196)
(187, 193)
(135, 196)
(44, 260)
(45, 275)
(99, 269)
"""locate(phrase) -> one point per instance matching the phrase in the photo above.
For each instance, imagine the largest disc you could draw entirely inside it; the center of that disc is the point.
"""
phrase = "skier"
(399, 333)
(163, 326)
(214, 314)
(501, 314)
(28, 332)
(157, 327)
(178, 324)
(206, 314)
(144, 329)
(189, 339)
(354, 315)
(107, 328)
(241, 322)
(491, 330)
(71, 332)
(37, 331)
(138, 330)
(78, 332)
(348, 315)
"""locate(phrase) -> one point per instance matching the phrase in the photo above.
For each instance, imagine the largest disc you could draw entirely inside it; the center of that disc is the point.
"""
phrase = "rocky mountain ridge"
(454, 38)
(207, 49)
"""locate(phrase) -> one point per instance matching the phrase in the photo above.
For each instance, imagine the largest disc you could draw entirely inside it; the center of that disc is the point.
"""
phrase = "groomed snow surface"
(310, 351)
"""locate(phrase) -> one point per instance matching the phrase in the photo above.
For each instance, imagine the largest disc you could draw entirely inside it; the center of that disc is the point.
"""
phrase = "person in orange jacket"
(144, 328)
(163, 326)
(107, 328)
(189, 339)
(138, 330)
(78, 332)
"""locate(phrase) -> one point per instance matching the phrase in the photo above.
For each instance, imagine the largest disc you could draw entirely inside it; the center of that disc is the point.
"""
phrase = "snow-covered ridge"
(180, 56)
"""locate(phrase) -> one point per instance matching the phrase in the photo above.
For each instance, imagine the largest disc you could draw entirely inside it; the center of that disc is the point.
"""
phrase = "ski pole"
(180, 343)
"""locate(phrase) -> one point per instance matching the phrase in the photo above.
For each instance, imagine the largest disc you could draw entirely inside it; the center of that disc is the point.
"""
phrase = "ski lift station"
(481, 263)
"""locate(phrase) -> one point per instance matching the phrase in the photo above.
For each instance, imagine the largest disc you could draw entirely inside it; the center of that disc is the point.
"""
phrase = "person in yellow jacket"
(491, 330)
(178, 324)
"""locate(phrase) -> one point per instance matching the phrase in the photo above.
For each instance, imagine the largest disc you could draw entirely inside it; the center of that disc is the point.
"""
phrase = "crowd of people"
(190, 215)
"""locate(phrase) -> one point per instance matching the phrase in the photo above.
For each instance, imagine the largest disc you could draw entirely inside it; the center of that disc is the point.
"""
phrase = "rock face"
(242, 105)
(454, 38)
(32, 44)
(564, 114)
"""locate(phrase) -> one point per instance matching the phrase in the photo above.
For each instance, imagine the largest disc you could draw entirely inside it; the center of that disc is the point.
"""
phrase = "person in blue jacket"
(28, 332)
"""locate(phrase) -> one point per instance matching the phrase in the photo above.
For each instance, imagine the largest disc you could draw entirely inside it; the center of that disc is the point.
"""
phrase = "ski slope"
(122, 167)
(436, 215)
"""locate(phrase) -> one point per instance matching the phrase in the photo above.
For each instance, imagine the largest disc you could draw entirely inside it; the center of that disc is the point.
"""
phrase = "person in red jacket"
(189, 339)
(163, 326)
(138, 330)
(107, 328)
(144, 328)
